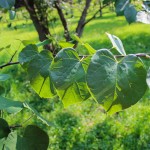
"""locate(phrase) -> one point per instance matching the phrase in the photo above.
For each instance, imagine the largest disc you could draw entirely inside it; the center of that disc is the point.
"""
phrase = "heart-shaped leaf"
(116, 85)
(34, 138)
(37, 66)
(68, 76)
(131, 14)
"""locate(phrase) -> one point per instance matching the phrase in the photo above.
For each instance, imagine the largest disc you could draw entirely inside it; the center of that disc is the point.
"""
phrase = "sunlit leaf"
(116, 42)
(37, 66)
(68, 76)
(116, 85)
(65, 44)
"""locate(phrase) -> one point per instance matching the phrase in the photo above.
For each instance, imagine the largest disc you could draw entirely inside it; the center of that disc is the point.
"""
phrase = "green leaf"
(11, 141)
(45, 42)
(12, 14)
(28, 53)
(4, 129)
(3, 48)
(2, 90)
(130, 14)
(120, 6)
(68, 76)
(7, 4)
(28, 106)
(116, 42)
(37, 65)
(66, 44)
(34, 138)
(116, 85)
(4, 77)
(10, 106)
(27, 42)
(90, 49)
(2, 143)
(39, 75)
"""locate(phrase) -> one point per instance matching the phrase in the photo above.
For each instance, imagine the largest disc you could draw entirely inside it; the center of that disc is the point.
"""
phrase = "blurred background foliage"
(85, 126)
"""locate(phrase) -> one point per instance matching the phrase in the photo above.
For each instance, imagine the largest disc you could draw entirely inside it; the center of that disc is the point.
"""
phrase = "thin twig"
(146, 55)
(28, 119)
(138, 55)
(94, 16)
(10, 62)
(15, 126)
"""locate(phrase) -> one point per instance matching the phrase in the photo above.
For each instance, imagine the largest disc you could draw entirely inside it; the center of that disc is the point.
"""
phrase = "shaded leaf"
(4, 129)
(7, 4)
(34, 138)
(120, 6)
(37, 66)
(10, 106)
(116, 85)
(4, 77)
(68, 76)
(2, 90)
(28, 53)
(130, 14)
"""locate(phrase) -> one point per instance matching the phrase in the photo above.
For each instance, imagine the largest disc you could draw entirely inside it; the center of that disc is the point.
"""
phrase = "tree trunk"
(63, 20)
(42, 29)
(81, 23)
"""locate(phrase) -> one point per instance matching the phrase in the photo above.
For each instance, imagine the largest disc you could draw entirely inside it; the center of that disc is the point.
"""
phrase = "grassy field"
(85, 126)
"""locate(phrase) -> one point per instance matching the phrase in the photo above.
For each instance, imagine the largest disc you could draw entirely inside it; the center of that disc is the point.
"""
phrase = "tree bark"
(81, 23)
(63, 20)
(42, 29)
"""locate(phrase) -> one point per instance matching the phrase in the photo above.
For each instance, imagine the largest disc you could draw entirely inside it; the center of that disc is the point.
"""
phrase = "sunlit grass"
(84, 126)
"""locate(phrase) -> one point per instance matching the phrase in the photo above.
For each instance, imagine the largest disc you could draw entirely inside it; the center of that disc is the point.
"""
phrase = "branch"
(15, 126)
(80, 26)
(10, 62)
(63, 20)
(94, 16)
(145, 55)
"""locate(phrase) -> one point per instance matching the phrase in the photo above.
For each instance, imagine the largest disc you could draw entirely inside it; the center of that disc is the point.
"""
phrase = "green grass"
(85, 126)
